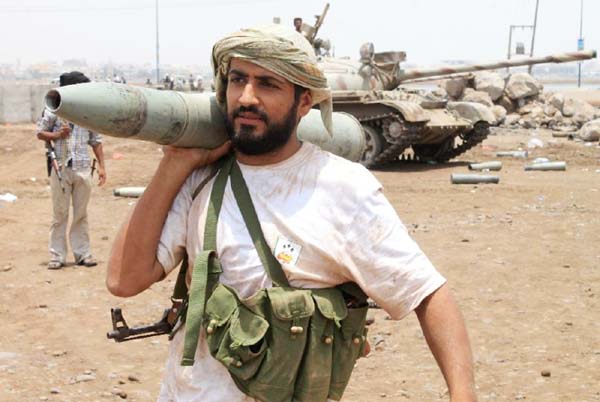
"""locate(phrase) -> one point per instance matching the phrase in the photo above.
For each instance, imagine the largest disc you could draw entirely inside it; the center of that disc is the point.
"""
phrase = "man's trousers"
(78, 187)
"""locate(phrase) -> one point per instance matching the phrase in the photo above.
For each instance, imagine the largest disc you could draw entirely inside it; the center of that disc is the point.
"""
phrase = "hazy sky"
(123, 31)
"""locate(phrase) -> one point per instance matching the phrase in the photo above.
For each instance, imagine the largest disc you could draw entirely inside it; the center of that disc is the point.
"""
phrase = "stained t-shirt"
(326, 221)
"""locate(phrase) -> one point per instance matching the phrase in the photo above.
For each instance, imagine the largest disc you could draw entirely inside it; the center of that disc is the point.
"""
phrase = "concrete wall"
(22, 103)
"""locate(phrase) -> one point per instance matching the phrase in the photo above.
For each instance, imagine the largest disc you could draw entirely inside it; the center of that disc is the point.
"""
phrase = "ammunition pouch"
(285, 344)
(282, 344)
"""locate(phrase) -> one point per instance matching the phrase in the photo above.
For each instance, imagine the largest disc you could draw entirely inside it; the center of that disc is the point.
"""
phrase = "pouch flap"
(221, 304)
(331, 304)
(290, 304)
(247, 328)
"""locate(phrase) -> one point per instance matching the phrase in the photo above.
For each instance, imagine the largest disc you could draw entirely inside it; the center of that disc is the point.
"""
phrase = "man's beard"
(274, 137)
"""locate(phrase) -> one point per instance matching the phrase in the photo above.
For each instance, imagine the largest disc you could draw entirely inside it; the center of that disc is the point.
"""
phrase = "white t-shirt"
(327, 221)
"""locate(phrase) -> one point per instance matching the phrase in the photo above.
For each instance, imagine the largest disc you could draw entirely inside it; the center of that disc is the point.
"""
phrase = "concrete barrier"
(22, 103)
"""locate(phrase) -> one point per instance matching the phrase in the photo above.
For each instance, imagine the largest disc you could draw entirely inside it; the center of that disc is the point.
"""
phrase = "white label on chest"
(286, 251)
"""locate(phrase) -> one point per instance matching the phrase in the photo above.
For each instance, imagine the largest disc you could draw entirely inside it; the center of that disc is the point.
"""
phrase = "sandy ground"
(522, 257)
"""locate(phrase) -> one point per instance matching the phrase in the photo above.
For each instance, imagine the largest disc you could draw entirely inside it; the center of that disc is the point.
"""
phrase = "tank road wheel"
(374, 146)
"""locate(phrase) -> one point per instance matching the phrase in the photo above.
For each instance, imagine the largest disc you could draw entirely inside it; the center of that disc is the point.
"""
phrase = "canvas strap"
(206, 268)
(244, 201)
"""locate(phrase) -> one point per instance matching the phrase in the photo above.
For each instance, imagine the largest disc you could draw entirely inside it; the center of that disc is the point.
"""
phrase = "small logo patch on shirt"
(286, 251)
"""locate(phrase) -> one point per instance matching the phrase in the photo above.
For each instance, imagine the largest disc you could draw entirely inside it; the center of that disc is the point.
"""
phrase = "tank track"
(476, 136)
(391, 151)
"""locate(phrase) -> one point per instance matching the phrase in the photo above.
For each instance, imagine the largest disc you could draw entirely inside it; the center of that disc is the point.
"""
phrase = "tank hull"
(402, 125)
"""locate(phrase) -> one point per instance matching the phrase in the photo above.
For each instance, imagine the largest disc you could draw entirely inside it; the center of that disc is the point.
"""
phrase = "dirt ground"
(522, 256)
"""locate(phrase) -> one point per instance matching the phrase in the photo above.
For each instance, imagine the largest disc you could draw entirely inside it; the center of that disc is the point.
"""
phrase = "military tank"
(401, 123)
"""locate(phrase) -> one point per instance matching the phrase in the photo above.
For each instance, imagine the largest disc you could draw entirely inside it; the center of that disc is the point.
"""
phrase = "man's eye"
(268, 84)
(235, 80)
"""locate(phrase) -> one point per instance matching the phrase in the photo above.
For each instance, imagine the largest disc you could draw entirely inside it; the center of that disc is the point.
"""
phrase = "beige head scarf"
(280, 50)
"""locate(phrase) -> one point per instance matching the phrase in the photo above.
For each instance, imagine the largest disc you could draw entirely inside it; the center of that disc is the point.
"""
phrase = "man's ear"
(305, 103)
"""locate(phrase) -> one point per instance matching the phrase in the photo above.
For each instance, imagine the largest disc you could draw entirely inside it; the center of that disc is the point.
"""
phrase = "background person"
(71, 143)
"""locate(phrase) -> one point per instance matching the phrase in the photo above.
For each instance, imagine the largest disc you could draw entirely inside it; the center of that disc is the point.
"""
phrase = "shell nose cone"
(53, 100)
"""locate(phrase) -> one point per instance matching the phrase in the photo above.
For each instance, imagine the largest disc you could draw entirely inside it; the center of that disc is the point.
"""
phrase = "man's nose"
(248, 96)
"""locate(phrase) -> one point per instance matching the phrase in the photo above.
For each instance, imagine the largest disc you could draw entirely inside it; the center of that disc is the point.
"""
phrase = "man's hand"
(101, 175)
(189, 159)
(64, 132)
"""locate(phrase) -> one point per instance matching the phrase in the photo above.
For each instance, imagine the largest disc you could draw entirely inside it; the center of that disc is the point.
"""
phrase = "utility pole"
(537, 4)
(580, 43)
(511, 28)
(157, 57)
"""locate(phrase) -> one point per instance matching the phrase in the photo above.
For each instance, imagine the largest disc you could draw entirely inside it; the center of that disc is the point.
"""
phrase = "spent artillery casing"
(460, 178)
(134, 192)
(560, 165)
(180, 119)
(514, 154)
(492, 165)
(561, 134)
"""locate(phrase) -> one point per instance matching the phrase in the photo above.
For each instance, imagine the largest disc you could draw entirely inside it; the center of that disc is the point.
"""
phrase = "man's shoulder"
(341, 171)
(199, 178)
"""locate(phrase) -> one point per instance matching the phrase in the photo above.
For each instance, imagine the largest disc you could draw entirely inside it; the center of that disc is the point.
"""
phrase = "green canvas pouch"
(349, 345)
(314, 377)
(237, 340)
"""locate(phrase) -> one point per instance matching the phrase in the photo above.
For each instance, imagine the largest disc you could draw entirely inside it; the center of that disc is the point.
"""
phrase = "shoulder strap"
(206, 268)
(180, 291)
(244, 201)
(214, 169)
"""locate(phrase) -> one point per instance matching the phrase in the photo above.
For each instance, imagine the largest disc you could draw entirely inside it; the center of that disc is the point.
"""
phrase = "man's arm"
(446, 335)
(64, 132)
(132, 266)
(99, 152)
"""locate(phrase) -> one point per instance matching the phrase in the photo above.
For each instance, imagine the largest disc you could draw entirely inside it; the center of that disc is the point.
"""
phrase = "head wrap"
(279, 49)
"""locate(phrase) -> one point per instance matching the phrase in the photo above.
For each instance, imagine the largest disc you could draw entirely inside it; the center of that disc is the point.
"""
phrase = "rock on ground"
(590, 131)
(581, 111)
(490, 82)
(455, 87)
(512, 119)
(507, 104)
(535, 110)
(472, 111)
(522, 85)
(550, 110)
(499, 113)
(557, 100)
(471, 95)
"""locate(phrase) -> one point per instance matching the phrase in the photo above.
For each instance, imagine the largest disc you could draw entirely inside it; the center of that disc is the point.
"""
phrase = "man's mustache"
(251, 109)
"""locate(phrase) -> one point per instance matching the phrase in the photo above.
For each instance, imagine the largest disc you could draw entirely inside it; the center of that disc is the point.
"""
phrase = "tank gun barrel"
(319, 22)
(409, 75)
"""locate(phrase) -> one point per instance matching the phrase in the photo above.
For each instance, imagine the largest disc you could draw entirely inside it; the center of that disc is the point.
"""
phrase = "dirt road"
(523, 258)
